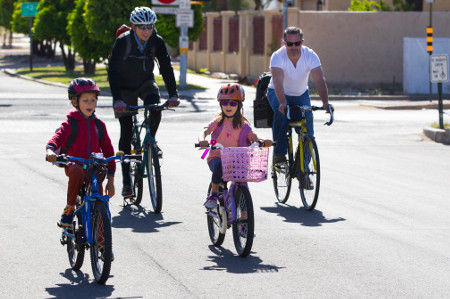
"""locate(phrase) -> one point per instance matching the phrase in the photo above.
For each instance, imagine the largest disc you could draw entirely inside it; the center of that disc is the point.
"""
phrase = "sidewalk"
(18, 57)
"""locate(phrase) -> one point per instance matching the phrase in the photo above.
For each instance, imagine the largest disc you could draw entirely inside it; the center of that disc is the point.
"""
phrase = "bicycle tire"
(282, 181)
(244, 226)
(75, 248)
(214, 225)
(312, 173)
(153, 176)
(101, 249)
(137, 174)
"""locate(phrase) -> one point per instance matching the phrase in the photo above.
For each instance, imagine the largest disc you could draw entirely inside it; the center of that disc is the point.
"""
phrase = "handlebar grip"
(197, 145)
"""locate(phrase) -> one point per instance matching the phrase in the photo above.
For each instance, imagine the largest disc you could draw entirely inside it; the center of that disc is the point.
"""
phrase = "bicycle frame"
(138, 127)
(228, 201)
(88, 202)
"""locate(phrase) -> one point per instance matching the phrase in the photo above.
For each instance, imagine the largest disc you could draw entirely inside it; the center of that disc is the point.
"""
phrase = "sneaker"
(127, 191)
(307, 184)
(67, 216)
(211, 201)
(279, 159)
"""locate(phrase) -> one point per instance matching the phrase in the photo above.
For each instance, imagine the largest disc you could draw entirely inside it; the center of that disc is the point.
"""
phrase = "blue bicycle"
(91, 226)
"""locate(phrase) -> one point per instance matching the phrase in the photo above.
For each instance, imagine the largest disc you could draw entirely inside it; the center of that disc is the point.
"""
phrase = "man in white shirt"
(290, 67)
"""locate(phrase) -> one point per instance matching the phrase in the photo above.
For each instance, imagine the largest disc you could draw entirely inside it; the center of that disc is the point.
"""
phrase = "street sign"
(431, 1)
(165, 10)
(29, 9)
(184, 42)
(438, 68)
(166, 2)
(185, 18)
(185, 4)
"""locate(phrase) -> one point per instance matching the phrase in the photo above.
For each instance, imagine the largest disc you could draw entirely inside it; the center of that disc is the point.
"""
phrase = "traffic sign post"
(185, 19)
(29, 10)
(439, 75)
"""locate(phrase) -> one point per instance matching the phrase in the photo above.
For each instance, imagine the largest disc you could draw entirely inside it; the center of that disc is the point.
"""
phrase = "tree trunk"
(69, 59)
(89, 67)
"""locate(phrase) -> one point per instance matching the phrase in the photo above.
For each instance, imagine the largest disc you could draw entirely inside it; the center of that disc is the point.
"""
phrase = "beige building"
(341, 5)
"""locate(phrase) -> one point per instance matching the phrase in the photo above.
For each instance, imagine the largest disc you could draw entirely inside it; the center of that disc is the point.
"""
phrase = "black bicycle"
(150, 168)
(304, 165)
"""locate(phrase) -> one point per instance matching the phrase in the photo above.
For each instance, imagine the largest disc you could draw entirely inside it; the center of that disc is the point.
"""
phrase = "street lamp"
(319, 4)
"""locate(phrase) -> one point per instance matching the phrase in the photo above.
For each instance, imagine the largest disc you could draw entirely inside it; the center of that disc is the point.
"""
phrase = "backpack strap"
(73, 134)
(243, 140)
(128, 47)
(100, 129)
(216, 132)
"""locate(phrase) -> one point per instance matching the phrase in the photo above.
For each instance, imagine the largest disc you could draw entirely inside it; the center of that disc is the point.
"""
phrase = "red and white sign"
(166, 2)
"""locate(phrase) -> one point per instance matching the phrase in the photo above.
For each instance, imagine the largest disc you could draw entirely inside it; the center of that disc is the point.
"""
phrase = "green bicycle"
(151, 168)
(304, 165)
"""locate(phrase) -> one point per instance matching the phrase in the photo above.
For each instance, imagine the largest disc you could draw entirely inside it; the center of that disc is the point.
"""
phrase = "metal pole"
(441, 108)
(30, 25)
(183, 60)
(285, 14)
(430, 53)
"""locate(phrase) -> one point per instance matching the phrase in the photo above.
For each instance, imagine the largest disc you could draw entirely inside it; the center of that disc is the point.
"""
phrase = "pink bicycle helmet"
(231, 92)
(80, 85)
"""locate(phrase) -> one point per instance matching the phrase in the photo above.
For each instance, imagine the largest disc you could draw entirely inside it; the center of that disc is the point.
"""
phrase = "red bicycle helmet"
(80, 85)
(231, 92)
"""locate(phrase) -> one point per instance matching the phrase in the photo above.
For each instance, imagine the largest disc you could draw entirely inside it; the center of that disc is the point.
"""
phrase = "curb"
(438, 135)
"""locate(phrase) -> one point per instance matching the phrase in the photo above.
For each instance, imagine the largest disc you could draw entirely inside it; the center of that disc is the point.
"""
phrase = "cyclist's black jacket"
(137, 68)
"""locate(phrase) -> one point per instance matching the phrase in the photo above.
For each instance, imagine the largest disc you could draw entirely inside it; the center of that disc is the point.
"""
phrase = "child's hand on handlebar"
(203, 143)
(267, 142)
(51, 156)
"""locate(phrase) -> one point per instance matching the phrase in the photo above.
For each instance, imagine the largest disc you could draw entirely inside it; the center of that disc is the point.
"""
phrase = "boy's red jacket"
(86, 141)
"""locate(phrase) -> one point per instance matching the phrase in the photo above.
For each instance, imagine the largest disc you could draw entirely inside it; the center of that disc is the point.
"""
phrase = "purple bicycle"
(239, 166)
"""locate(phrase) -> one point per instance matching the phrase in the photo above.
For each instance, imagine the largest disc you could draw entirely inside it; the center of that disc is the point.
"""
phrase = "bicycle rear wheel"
(101, 249)
(153, 175)
(310, 179)
(75, 248)
(282, 180)
(215, 224)
(244, 226)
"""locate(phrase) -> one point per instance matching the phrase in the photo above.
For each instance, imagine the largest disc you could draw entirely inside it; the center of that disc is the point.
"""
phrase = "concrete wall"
(357, 49)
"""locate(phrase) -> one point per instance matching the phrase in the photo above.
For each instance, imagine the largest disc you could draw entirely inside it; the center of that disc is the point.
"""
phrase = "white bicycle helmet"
(143, 16)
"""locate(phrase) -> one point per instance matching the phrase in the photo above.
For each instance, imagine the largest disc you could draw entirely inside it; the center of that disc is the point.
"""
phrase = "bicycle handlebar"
(304, 108)
(160, 107)
(96, 158)
(220, 146)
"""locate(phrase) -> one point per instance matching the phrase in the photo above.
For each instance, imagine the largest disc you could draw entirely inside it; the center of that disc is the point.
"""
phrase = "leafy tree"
(103, 19)
(19, 24)
(371, 5)
(6, 11)
(51, 24)
(89, 49)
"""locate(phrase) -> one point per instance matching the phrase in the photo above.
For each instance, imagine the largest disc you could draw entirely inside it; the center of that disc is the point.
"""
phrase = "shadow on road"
(226, 260)
(79, 286)
(300, 215)
(140, 220)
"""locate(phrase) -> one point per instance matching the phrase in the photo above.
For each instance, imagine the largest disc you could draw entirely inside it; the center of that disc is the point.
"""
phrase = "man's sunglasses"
(226, 103)
(146, 27)
(290, 44)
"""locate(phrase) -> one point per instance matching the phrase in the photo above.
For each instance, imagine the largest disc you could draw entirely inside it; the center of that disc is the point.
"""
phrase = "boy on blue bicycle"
(81, 134)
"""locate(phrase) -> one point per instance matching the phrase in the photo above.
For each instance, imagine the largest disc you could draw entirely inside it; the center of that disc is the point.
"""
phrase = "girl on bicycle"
(229, 128)
(83, 94)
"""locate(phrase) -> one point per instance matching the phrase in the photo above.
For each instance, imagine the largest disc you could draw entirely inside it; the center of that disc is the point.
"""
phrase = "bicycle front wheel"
(215, 223)
(282, 180)
(310, 177)
(244, 226)
(75, 248)
(137, 174)
(154, 176)
(101, 249)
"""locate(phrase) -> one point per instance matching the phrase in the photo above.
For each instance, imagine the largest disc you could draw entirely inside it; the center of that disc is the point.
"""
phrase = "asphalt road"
(381, 227)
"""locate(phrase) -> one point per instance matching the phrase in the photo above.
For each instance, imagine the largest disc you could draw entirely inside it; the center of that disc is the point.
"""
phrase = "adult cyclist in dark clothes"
(131, 77)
